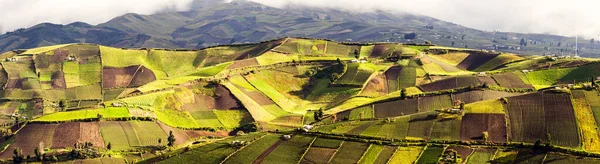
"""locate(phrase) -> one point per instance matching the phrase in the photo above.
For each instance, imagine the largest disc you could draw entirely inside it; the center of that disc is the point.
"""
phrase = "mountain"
(210, 22)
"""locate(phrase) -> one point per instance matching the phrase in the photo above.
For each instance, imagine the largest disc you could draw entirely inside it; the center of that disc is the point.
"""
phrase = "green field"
(289, 151)
(249, 153)
(430, 155)
(371, 155)
(110, 112)
(406, 155)
(488, 106)
(350, 152)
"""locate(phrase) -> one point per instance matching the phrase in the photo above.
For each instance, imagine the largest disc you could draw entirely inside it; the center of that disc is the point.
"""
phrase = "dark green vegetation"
(239, 103)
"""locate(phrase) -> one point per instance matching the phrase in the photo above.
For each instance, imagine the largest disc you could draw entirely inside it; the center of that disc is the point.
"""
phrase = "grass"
(148, 132)
(327, 143)
(451, 58)
(480, 157)
(430, 155)
(257, 111)
(547, 77)
(212, 70)
(270, 57)
(406, 155)
(146, 100)
(173, 63)
(44, 49)
(232, 119)
(487, 106)
(206, 119)
(364, 112)
(114, 57)
(371, 155)
(113, 133)
(176, 118)
(249, 153)
(350, 152)
(498, 61)
(365, 51)
(211, 153)
(273, 94)
(588, 127)
(109, 112)
(290, 151)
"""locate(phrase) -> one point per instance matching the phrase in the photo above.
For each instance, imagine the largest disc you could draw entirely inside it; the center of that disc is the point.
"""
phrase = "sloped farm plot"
(396, 108)
(553, 111)
(474, 125)
(474, 60)
(481, 95)
(450, 83)
(432, 103)
(510, 80)
(350, 152)
(30, 137)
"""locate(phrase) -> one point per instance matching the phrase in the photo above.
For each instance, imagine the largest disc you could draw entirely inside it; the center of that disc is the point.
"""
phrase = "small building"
(481, 74)
(287, 137)
(455, 110)
(354, 60)
(307, 128)
(525, 71)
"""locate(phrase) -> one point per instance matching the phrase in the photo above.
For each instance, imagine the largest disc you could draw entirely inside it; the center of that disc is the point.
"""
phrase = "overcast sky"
(572, 17)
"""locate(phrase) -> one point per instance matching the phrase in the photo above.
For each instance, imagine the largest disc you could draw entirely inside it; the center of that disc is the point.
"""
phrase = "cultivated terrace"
(297, 100)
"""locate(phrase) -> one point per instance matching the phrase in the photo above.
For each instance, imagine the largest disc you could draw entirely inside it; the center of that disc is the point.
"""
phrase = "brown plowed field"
(375, 86)
(560, 119)
(58, 80)
(225, 99)
(450, 83)
(318, 155)
(510, 80)
(478, 95)
(391, 76)
(396, 108)
(181, 136)
(487, 80)
(476, 59)
(30, 137)
(14, 84)
(60, 55)
(527, 118)
(420, 125)
(474, 124)
(66, 135)
(378, 51)
(142, 76)
(90, 132)
(117, 77)
(243, 63)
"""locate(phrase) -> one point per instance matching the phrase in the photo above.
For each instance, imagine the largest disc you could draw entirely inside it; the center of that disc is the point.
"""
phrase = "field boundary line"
(240, 149)
(391, 157)
(364, 153)
(306, 151)
(336, 151)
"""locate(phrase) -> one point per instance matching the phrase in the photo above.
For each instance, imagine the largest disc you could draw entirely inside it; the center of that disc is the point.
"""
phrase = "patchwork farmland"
(295, 100)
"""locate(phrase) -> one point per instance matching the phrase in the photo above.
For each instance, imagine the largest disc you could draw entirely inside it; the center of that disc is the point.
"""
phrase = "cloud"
(575, 17)
(16, 14)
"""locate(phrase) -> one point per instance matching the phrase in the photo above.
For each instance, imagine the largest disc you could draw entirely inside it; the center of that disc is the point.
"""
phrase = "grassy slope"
(487, 106)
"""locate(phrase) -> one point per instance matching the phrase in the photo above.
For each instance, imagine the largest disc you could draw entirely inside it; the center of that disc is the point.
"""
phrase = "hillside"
(368, 103)
(211, 22)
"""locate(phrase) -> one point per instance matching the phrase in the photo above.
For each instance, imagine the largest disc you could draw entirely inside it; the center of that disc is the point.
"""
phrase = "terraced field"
(238, 104)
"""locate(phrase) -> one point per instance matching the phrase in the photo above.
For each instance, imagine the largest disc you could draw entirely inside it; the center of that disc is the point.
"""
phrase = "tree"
(316, 116)
(594, 82)
(338, 61)
(320, 112)
(452, 43)
(403, 93)
(485, 136)
(108, 146)
(523, 42)
(63, 104)
(159, 140)
(356, 54)
(538, 144)
(462, 106)
(17, 156)
(171, 139)
(38, 154)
